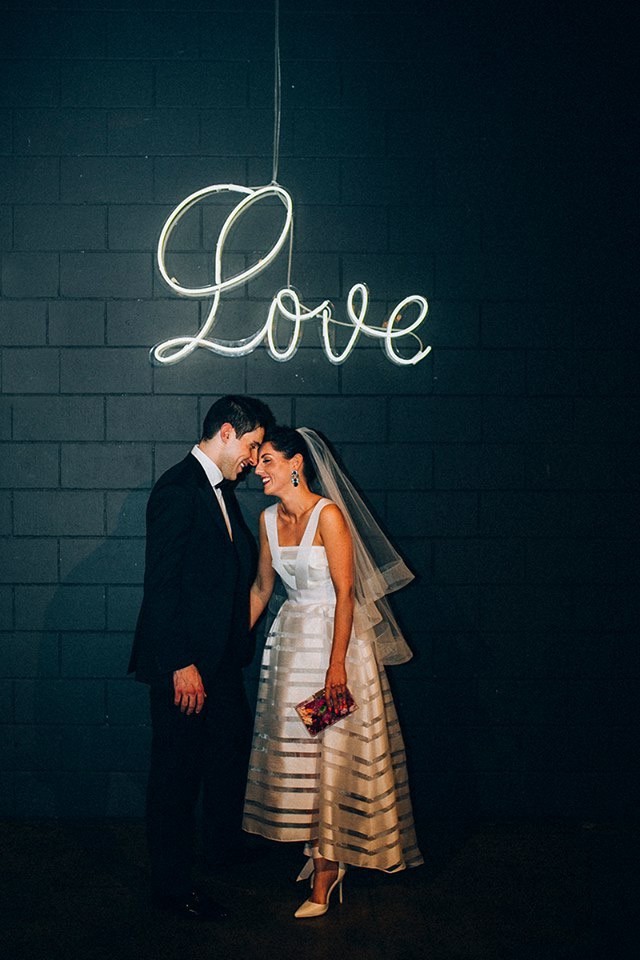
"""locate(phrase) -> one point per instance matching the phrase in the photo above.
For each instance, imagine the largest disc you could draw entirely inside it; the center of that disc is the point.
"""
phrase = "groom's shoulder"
(183, 473)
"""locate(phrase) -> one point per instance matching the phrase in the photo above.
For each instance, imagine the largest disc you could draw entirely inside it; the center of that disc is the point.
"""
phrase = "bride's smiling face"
(274, 470)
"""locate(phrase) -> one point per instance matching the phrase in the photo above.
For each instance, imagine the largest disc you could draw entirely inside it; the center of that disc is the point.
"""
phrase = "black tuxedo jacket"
(195, 607)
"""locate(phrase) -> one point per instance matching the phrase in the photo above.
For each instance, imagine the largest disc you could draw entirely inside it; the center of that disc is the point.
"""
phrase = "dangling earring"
(295, 478)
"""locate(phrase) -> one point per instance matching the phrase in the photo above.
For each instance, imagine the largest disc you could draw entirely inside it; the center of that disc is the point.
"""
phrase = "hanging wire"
(277, 117)
(277, 95)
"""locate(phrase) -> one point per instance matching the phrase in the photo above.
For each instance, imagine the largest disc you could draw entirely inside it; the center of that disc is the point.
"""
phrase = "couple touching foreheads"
(343, 792)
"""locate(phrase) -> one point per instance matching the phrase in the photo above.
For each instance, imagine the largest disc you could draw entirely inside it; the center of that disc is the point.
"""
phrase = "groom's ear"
(227, 432)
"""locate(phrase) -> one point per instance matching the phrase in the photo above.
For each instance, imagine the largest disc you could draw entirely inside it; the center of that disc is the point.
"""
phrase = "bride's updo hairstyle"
(289, 442)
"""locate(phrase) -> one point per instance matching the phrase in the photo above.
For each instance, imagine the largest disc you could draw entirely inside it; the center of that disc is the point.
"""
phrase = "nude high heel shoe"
(311, 909)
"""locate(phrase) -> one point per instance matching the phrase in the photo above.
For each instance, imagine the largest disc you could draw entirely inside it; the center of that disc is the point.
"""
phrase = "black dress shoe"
(195, 906)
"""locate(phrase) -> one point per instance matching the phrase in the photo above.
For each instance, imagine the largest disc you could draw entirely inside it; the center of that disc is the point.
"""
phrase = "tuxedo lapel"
(243, 540)
(211, 503)
(209, 499)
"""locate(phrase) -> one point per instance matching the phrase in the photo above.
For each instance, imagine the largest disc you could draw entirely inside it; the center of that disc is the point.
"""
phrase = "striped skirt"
(346, 788)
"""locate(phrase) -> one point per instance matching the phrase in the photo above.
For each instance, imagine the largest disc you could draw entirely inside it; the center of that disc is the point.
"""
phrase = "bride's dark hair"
(289, 442)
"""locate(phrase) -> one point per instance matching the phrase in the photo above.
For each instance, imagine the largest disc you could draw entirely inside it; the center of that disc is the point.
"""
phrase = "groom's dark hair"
(243, 413)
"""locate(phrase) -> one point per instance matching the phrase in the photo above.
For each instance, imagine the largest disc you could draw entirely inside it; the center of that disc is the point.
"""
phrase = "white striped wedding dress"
(346, 788)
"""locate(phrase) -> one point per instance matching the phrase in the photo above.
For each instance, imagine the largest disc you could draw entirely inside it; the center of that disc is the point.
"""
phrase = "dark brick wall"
(479, 153)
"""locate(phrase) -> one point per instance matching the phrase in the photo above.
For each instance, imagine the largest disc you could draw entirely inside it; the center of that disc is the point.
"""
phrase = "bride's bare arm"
(339, 548)
(262, 587)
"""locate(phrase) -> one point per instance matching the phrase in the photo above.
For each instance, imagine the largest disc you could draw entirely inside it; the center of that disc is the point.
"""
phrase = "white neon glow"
(286, 303)
(387, 333)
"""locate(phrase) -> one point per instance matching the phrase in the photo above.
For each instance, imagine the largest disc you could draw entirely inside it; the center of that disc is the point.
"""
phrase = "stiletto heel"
(311, 909)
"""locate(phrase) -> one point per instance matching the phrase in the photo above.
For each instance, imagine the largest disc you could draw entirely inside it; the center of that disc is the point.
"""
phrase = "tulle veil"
(379, 568)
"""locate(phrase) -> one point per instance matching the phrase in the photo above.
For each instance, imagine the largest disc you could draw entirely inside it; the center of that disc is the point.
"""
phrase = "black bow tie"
(223, 484)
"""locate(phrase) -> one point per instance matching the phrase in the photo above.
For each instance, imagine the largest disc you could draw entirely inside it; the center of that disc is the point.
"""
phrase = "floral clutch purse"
(316, 714)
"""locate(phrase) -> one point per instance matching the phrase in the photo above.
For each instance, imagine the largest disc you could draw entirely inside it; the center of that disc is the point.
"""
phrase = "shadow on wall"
(82, 732)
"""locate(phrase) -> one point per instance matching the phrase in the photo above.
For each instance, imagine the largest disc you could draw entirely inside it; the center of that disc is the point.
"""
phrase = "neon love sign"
(286, 303)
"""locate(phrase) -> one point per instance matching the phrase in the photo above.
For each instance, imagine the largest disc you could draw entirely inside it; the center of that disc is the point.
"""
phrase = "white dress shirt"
(214, 476)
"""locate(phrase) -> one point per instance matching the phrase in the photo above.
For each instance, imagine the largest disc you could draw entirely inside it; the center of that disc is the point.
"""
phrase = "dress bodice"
(304, 569)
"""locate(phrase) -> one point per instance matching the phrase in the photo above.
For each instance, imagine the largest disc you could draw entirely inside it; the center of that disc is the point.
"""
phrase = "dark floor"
(513, 891)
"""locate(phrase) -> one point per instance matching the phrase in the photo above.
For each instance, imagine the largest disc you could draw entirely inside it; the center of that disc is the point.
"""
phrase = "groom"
(191, 641)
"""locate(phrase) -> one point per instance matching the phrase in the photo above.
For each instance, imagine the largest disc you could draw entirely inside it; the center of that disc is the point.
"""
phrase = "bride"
(343, 793)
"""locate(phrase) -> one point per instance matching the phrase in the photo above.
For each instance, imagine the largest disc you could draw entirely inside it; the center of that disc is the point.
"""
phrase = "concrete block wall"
(475, 153)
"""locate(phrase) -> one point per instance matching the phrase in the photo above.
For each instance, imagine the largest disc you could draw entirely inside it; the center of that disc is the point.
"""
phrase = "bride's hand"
(335, 686)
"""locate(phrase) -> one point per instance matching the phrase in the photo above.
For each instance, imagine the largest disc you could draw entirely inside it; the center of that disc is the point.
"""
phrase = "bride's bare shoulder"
(332, 520)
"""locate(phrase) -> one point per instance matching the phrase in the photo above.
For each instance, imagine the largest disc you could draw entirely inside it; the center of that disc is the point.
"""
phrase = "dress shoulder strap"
(304, 550)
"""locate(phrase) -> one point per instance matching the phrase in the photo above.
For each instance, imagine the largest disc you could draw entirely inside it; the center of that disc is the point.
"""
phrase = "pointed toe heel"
(311, 909)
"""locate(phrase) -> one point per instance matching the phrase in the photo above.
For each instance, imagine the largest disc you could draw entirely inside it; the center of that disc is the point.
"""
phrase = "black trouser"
(209, 750)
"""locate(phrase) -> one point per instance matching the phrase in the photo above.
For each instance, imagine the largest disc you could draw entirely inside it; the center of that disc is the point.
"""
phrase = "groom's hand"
(189, 692)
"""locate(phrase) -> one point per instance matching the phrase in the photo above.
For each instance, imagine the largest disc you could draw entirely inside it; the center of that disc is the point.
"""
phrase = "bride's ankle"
(325, 866)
